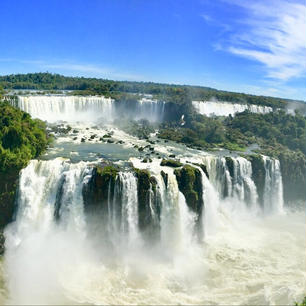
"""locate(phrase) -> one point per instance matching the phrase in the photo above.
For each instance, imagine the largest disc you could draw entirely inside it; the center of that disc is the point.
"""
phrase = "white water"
(67, 108)
(220, 108)
(129, 214)
(88, 109)
(245, 259)
(273, 194)
(244, 187)
(211, 201)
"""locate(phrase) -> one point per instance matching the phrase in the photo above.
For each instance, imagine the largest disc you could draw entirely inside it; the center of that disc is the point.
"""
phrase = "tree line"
(81, 85)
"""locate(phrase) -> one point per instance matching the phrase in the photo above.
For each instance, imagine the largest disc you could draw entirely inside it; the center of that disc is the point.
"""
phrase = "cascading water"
(211, 201)
(151, 110)
(243, 186)
(129, 219)
(212, 108)
(47, 191)
(67, 108)
(273, 193)
(177, 222)
(89, 109)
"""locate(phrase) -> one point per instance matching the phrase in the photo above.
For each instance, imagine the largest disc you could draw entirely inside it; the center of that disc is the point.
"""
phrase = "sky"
(251, 46)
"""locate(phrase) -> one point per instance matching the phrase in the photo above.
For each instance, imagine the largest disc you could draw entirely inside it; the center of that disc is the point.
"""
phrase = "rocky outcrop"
(100, 187)
(171, 163)
(190, 184)
(230, 165)
(293, 168)
(258, 174)
(148, 202)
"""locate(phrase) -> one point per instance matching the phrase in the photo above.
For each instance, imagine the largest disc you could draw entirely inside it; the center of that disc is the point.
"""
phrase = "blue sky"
(252, 46)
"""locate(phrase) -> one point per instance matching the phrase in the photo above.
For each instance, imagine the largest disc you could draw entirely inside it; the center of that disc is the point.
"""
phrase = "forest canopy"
(81, 85)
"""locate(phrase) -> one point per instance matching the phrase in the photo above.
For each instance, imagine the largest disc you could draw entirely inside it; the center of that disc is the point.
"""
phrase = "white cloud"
(274, 34)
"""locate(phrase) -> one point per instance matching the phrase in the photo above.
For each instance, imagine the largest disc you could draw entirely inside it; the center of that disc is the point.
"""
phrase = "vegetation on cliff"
(173, 93)
(21, 139)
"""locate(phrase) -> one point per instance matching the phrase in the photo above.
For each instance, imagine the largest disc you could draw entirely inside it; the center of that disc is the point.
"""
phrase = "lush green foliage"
(274, 129)
(1, 92)
(204, 133)
(174, 93)
(274, 132)
(21, 139)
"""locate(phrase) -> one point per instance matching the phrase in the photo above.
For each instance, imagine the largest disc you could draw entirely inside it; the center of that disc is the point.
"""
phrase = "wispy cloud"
(274, 34)
(206, 17)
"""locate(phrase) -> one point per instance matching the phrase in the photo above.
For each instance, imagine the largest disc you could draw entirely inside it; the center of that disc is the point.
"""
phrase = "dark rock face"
(203, 167)
(147, 200)
(173, 111)
(258, 175)
(165, 178)
(190, 184)
(230, 165)
(293, 168)
(8, 185)
(100, 188)
(58, 199)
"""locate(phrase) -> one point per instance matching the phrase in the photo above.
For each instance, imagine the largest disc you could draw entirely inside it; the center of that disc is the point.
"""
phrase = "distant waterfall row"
(173, 206)
(212, 108)
(89, 109)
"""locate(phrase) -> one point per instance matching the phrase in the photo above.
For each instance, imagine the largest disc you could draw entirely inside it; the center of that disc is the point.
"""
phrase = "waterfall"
(49, 189)
(49, 230)
(232, 178)
(151, 110)
(129, 218)
(53, 247)
(67, 108)
(243, 186)
(211, 202)
(177, 221)
(89, 108)
(212, 108)
(273, 191)
(85, 235)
